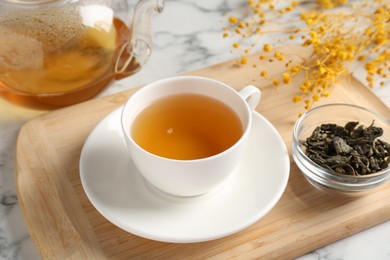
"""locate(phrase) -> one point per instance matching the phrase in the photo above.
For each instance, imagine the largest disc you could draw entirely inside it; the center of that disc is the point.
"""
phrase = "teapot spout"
(138, 48)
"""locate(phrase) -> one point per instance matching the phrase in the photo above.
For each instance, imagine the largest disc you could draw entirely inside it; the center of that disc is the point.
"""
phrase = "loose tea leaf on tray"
(352, 149)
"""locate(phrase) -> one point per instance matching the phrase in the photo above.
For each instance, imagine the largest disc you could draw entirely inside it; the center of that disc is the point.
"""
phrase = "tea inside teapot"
(53, 58)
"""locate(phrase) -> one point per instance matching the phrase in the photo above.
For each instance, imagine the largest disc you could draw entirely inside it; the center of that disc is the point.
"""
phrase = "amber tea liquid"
(74, 72)
(186, 127)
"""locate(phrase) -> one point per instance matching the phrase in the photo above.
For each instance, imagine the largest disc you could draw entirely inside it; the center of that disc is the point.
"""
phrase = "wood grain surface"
(64, 224)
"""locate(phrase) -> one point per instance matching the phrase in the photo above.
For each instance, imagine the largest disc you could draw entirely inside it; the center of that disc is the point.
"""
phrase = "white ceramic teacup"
(189, 177)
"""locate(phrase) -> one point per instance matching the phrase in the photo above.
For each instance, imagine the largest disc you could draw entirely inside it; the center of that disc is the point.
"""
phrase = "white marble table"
(187, 36)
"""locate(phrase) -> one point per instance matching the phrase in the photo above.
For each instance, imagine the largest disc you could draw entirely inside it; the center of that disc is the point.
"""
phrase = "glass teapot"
(55, 53)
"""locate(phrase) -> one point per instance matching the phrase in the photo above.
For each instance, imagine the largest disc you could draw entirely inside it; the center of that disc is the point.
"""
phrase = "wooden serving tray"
(64, 224)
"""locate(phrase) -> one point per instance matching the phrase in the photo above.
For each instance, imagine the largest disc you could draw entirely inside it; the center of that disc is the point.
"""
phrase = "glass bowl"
(326, 179)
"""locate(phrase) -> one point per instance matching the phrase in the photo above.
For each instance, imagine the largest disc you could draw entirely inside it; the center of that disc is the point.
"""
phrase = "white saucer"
(120, 194)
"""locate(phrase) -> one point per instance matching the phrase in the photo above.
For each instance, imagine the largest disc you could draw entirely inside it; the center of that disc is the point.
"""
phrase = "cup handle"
(251, 95)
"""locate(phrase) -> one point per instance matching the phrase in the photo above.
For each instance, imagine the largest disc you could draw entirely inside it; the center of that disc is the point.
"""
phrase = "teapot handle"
(139, 46)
